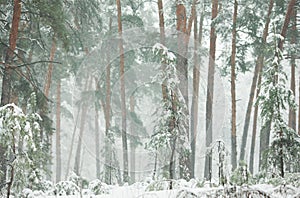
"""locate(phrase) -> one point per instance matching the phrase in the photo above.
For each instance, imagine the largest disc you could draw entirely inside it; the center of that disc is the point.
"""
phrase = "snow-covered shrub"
(180, 183)
(27, 193)
(241, 175)
(159, 185)
(20, 135)
(186, 194)
(73, 177)
(196, 183)
(66, 188)
(98, 187)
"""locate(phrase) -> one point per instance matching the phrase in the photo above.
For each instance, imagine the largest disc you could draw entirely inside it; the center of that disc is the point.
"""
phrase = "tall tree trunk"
(299, 108)
(13, 36)
(123, 99)
(50, 69)
(258, 68)
(254, 128)
(259, 64)
(184, 31)
(72, 144)
(195, 99)
(292, 112)
(84, 107)
(97, 142)
(163, 86)
(287, 19)
(58, 132)
(162, 39)
(44, 110)
(210, 92)
(132, 144)
(7, 77)
(161, 22)
(233, 94)
(97, 134)
(107, 108)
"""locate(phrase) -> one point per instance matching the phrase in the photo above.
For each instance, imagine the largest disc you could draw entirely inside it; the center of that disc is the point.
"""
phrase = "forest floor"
(139, 190)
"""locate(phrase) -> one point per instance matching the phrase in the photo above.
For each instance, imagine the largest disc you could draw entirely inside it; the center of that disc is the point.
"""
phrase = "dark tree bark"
(233, 91)
(292, 112)
(210, 91)
(7, 76)
(123, 99)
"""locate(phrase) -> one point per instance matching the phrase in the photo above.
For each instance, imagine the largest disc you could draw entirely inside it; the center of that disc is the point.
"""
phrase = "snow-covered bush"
(158, 185)
(186, 194)
(20, 136)
(241, 175)
(66, 188)
(98, 187)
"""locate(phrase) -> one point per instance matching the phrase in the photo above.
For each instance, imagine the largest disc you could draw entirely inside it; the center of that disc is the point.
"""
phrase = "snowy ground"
(136, 191)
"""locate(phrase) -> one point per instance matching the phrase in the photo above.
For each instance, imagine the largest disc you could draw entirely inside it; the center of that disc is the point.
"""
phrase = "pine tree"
(273, 101)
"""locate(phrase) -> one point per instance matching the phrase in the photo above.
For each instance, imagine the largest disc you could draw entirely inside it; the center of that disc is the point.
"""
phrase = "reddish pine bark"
(123, 98)
(210, 91)
(257, 71)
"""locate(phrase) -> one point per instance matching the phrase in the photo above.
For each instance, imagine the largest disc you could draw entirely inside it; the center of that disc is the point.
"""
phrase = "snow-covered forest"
(149, 98)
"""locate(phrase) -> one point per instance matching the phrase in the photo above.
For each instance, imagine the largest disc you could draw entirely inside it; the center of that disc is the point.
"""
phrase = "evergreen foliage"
(274, 100)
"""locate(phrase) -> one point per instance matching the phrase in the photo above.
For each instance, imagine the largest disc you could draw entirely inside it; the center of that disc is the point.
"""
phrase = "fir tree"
(274, 101)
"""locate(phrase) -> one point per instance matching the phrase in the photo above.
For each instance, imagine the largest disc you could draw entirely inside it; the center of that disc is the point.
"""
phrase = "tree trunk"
(72, 144)
(287, 19)
(50, 69)
(195, 99)
(259, 63)
(162, 40)
(97, 135)
(107, 116)
(184, 31)
(84, 107)
(265, 133)
(292, 112)
(233, 94)
(254, 128)
(58, 132)
(97, 142)
(258, 68)
(123, 99)
(161, 22)
(210, 92)
(7, 76)
(132, 144)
